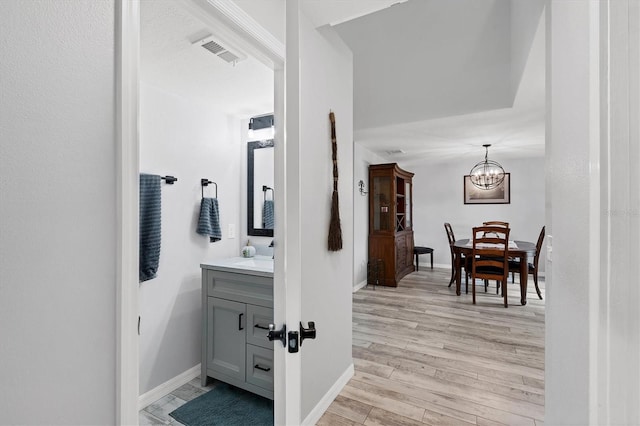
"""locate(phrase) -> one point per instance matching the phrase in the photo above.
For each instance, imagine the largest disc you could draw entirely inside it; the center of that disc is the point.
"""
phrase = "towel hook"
(205, 182)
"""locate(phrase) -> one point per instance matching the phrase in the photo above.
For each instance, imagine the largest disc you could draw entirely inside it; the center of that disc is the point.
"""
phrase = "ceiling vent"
(395, 152)
(221, 51)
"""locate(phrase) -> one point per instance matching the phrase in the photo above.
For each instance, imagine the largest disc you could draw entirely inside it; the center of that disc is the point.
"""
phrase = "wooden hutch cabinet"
(390, 222)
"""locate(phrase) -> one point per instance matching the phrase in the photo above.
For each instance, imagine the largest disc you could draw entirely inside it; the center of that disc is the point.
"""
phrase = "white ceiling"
(170, 61)
(434, 78)
(438, 79)
(514, 123)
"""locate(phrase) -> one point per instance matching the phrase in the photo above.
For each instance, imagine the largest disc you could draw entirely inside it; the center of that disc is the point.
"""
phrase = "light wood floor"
(425, 356)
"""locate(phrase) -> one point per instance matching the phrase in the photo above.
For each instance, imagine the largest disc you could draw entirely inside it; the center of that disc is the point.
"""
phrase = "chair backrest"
(490, 253)
(450, 236)
(538, 248)
(496, 223)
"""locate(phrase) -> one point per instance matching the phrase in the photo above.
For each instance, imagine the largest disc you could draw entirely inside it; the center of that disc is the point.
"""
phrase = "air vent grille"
(213, 47)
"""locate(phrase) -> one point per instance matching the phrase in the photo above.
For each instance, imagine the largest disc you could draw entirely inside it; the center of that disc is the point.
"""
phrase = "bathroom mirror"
(260, 190)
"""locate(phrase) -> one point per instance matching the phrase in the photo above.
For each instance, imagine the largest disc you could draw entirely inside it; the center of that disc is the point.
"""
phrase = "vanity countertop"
(261, 266)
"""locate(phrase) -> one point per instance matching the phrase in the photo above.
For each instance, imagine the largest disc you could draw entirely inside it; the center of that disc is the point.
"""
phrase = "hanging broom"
(335, 232)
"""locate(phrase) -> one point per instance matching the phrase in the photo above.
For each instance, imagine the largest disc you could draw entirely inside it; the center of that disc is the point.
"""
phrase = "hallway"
(424, 356)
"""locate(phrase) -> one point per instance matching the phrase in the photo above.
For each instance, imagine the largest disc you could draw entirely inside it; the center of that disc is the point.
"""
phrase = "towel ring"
(265, 188)
(205, 182)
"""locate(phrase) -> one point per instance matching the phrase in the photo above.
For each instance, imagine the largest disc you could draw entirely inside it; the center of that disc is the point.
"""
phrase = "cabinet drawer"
(260, 367)
(258, 319)
(240, 287)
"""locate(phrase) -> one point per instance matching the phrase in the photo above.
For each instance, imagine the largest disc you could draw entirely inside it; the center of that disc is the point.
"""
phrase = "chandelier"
(486, 174)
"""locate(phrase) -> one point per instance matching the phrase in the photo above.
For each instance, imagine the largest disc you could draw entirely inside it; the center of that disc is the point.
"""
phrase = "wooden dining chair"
(490, 257)
(464, 262)
(452, 239)
(532, 268)
(496, 223)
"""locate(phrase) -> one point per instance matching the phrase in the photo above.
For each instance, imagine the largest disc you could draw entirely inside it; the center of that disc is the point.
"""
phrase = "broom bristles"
(335, 232)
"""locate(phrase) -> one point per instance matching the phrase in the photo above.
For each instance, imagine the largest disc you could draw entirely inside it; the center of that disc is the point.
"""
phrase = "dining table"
(522, 250)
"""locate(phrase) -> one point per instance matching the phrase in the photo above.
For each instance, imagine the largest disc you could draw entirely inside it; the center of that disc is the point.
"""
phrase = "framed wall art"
(498, 195)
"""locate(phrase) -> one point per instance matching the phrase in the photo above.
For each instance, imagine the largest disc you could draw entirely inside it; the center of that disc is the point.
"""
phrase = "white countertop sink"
(257, 265)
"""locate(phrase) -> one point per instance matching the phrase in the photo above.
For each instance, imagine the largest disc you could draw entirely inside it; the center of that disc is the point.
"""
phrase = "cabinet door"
(226, 341)
(401, 253)
(258, 320)
(409, 250)
(382, 204)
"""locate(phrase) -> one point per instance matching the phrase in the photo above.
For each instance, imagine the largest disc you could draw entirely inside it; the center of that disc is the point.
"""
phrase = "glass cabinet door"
(407, 199)
(382, 203)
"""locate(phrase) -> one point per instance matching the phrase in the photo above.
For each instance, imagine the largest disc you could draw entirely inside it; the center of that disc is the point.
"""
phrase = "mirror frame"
(251, 147)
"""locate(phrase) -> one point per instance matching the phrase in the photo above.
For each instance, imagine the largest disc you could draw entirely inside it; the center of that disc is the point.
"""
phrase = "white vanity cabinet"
(237, 307)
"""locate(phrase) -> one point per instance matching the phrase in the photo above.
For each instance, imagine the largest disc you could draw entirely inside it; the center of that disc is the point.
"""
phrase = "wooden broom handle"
(334, 150)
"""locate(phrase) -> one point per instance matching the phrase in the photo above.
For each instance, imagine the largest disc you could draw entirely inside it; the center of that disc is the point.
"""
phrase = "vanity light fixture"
(486, 174)
(259, 123)
(361, 187)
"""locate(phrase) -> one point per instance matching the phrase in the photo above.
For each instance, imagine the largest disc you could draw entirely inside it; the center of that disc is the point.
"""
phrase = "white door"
(311, 282)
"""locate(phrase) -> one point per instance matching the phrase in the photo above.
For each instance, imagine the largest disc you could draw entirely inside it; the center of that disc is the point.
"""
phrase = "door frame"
(250, 36)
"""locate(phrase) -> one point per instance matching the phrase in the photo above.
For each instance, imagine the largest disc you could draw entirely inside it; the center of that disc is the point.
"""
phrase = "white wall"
(189, 140)
(567, 334)
(326, 84)
(58, 214)
(438, 198)
(592, 357)
(361, 161)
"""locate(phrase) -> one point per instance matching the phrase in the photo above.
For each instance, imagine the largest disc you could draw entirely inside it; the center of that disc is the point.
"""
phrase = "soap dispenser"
(248, 250)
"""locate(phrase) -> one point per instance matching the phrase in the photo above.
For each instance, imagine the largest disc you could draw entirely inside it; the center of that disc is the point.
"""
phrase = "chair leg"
(466, 283)
(535, 281)
(473, 291)
(486, 285)
(497, 286)
(504, 294)
(453, 270)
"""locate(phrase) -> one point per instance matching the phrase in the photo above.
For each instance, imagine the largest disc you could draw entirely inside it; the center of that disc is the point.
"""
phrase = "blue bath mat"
(226, 405)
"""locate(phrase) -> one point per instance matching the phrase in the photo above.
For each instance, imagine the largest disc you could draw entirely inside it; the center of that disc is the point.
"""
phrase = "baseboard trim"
(359, 286)
(167, 387)
(328, 398)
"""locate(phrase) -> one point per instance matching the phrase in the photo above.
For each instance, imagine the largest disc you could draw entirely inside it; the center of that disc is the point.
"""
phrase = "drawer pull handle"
(240, 322)
(263, 327)
(259, 367)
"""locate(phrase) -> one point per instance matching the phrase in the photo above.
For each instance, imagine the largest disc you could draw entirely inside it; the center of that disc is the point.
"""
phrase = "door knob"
(278, 334)
(307, 333)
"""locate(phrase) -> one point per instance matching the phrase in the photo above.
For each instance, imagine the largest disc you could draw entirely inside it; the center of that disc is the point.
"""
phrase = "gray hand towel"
(150, 203)
(267, 214)
(209, 221)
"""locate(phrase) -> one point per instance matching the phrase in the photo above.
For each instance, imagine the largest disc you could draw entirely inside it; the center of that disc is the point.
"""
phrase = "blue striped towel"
(150, 203)
(209, 221)
(267, 214)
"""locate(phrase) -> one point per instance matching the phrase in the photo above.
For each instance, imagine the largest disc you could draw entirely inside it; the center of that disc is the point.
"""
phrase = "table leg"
(524, 274)
(458, 273)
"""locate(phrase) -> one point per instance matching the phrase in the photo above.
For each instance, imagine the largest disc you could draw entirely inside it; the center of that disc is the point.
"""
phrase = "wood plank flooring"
(423, 355)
